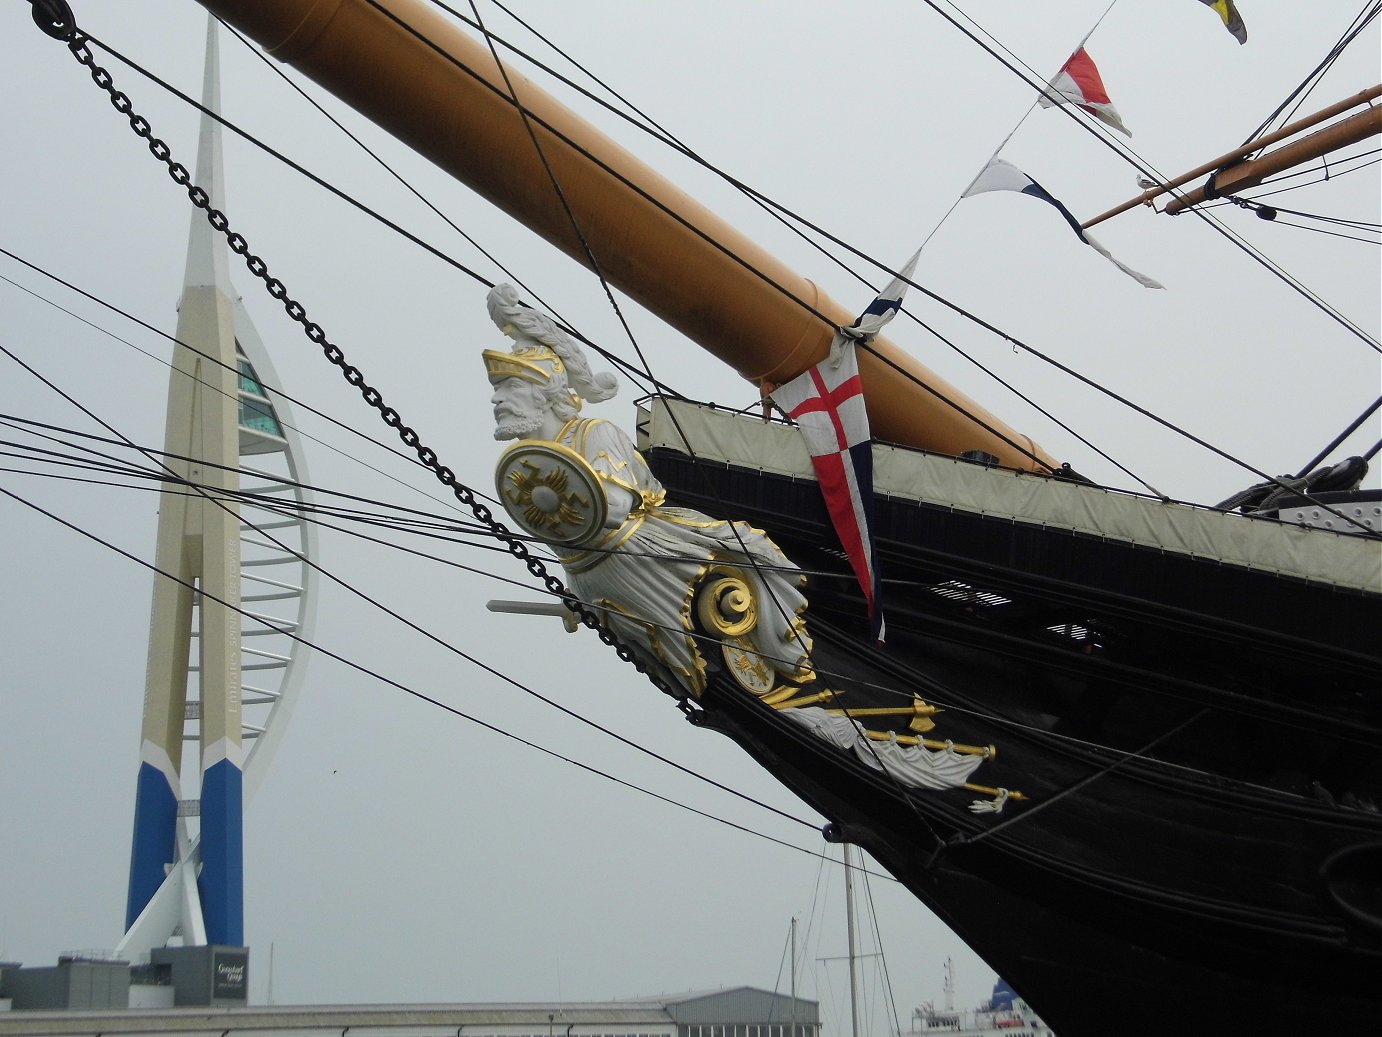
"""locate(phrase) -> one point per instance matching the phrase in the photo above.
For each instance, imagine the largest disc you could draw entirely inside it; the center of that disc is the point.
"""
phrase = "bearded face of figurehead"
(519, 407)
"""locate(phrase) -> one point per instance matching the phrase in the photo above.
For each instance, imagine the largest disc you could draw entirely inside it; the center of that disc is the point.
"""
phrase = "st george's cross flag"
(827, 403)
(1004, 176)
(1078, 82)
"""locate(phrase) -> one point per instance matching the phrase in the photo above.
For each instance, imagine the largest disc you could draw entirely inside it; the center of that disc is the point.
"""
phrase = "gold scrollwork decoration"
(725, 604)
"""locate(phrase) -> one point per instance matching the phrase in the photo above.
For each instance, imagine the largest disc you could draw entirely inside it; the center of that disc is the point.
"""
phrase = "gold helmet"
(536, 364)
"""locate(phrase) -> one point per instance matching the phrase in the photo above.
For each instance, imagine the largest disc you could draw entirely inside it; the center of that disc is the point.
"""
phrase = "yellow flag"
(1233, 21)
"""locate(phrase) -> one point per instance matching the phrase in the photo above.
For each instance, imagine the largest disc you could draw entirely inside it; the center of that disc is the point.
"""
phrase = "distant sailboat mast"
(849, 924)
(793, 1031)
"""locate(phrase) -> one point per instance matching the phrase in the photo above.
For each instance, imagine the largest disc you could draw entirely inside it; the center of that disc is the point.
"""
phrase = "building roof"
(422, 1020)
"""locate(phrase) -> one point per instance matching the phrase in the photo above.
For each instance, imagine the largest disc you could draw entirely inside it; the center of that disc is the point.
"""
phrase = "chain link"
(55, 19)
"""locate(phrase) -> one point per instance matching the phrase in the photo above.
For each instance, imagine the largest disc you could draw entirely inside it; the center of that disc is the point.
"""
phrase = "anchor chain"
(55, 19)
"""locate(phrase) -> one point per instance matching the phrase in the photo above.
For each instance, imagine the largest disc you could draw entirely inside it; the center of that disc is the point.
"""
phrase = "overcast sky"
(396, 852)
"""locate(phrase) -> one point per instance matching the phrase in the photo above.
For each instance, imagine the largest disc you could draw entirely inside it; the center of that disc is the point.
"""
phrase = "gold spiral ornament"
(726, 605)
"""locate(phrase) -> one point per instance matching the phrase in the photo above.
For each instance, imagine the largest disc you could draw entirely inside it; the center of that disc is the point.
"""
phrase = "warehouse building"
(66, 1001)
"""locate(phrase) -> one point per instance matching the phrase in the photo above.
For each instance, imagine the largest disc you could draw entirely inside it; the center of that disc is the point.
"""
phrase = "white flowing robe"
(643, 574)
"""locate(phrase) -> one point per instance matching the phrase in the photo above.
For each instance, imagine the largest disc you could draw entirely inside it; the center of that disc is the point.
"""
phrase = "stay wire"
(1078, 786)
(938, 692)
(408, 518)
(274, 68)
(52, 458)
(994, 330)
(1309, 228)
(442, 642)
(418, 518)
(422, 696)
(320, 181)
(1339, 439)
(400, 178)
(777, 982)
(196, 490)
(295, 509)
(315, 516)
(785, 217)
(883, 958)
(268, 504)
(1313, 78)
(1332, 173)
(1336, 220)
(796, 633)
(296, 401)
(1125, 152)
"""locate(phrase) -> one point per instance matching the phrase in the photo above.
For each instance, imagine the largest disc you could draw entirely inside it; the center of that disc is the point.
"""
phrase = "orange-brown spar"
(441, 92)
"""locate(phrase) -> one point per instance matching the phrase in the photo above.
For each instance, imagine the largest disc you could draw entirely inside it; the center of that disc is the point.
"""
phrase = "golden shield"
(551, 492)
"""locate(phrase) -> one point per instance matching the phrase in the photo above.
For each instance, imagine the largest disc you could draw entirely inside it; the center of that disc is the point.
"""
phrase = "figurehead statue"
(687, 593)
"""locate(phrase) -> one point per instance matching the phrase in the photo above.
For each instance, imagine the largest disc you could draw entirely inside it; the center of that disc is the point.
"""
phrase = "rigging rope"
(666, 137)
(1313, 78)
(422, 696)
(171, 476)
(1016, 343)
(296, 401)
(238, 244)
(397, 176)
(168, 475)
(795, 632)
(77, 45)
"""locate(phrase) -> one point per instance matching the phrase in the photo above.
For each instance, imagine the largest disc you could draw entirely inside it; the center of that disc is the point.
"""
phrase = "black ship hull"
(1198, 745)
